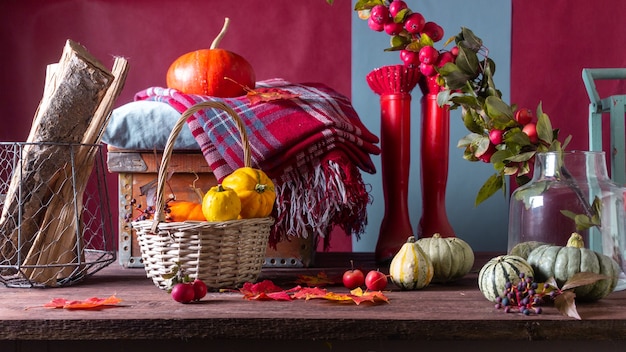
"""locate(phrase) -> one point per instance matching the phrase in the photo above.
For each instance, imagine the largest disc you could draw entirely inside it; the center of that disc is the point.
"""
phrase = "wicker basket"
(222, 254)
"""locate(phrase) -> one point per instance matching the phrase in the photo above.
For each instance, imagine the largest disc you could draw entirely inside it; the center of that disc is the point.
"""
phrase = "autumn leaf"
(566, 304)
(307, 293)
(582, 279)
(321, 279)
(92, 303)
(358, 296)
(260, 290)
(261, 95)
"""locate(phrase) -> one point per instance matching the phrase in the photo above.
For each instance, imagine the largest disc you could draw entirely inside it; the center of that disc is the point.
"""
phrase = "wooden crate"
(137, 174)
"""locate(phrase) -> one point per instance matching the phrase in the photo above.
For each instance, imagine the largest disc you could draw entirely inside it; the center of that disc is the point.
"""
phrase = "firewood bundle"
(40, 227)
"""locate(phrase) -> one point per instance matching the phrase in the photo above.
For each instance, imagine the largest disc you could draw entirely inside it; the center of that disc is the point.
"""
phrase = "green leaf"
(489, 188)
(501, 155)
(467, 140)
(472, 121)
(398, 42)
(516, 137)
(426, 40)
(467, 61)
(570, 214)
(544, 126)
(496, 108)
(521, 157)
(367, 4)
(453, 76)
(482, 145)
(468, 39)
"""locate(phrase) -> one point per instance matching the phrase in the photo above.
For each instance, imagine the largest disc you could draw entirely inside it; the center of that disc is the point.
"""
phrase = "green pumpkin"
(452, 257)
(494, 275)
(561, 263)
(523, 249)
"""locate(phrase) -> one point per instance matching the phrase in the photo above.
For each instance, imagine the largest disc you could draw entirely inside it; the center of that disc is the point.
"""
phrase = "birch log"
(57, 252)
(71, 97)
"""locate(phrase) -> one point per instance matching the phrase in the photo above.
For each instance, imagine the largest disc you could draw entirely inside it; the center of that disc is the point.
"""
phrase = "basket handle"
(169, 147)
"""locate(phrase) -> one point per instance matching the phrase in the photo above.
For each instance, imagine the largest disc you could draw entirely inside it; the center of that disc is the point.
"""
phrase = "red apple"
(199, 288)
(444, 58)
(409, 57)
(397, 6)
(353, 278)
(183, 292)
(495, 136)
(523, 116)
(427, 70)
(531, 130)
(375, 280)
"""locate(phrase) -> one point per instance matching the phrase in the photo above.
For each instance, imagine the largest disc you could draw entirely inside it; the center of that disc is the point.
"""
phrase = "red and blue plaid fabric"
(294, 132)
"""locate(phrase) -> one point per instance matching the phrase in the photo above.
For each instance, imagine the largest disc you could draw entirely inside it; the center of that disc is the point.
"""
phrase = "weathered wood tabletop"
(454, 311)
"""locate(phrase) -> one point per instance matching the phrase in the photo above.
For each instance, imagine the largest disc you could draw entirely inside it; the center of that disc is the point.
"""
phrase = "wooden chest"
(137, 174)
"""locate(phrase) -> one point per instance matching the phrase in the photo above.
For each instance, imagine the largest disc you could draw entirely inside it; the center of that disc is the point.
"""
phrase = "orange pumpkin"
(214, 72)
(180, 210)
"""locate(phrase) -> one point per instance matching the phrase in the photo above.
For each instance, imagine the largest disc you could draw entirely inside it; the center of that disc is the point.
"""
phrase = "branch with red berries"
(500, 134)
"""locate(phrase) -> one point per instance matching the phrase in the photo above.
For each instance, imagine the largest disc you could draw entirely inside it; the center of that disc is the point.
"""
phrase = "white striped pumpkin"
(410, 268)
(452, 257)
(494, 275)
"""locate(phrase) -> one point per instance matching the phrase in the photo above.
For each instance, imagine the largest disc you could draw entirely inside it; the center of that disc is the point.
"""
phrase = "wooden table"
(452, 315)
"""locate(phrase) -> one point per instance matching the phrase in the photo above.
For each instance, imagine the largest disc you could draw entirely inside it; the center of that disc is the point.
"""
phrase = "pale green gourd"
(452, 258)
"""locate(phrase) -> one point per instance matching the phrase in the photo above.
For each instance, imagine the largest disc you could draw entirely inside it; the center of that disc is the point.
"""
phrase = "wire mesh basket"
(55, 222)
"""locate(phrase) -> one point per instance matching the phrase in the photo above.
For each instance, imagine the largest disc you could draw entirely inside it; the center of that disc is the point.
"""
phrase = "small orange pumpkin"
(180, 210)
(214, 72)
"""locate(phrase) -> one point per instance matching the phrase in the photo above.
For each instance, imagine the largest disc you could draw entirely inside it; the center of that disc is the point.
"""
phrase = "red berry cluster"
(525, 297)
(412, 35)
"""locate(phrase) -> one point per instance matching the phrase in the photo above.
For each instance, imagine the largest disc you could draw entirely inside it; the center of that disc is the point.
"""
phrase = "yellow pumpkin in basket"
(221, 204)
(255, 190)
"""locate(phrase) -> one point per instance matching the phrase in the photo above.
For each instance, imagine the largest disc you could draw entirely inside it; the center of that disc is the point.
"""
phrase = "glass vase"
(564, 185)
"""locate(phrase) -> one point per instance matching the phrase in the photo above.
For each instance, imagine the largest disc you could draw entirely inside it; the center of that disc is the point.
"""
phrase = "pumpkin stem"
(220, 188)
(576, 241)
(221, 35)
(259, 188)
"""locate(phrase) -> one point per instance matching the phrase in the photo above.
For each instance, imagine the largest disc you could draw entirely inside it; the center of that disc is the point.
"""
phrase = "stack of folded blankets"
(311, 143)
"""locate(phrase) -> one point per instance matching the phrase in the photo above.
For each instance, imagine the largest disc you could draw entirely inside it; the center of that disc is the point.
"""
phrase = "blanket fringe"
(313, 203)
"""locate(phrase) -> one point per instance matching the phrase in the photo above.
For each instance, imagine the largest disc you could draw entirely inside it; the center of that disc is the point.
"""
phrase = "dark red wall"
(552, 42)
(301, 41)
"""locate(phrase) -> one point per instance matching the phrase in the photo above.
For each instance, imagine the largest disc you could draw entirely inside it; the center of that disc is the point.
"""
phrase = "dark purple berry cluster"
(525, 297)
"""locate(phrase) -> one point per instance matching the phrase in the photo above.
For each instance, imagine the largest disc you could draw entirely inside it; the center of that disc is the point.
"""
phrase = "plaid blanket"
(311, 146)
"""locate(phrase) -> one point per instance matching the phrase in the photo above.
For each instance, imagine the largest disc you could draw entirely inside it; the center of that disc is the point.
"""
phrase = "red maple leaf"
(263, 291)
(89, 303)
